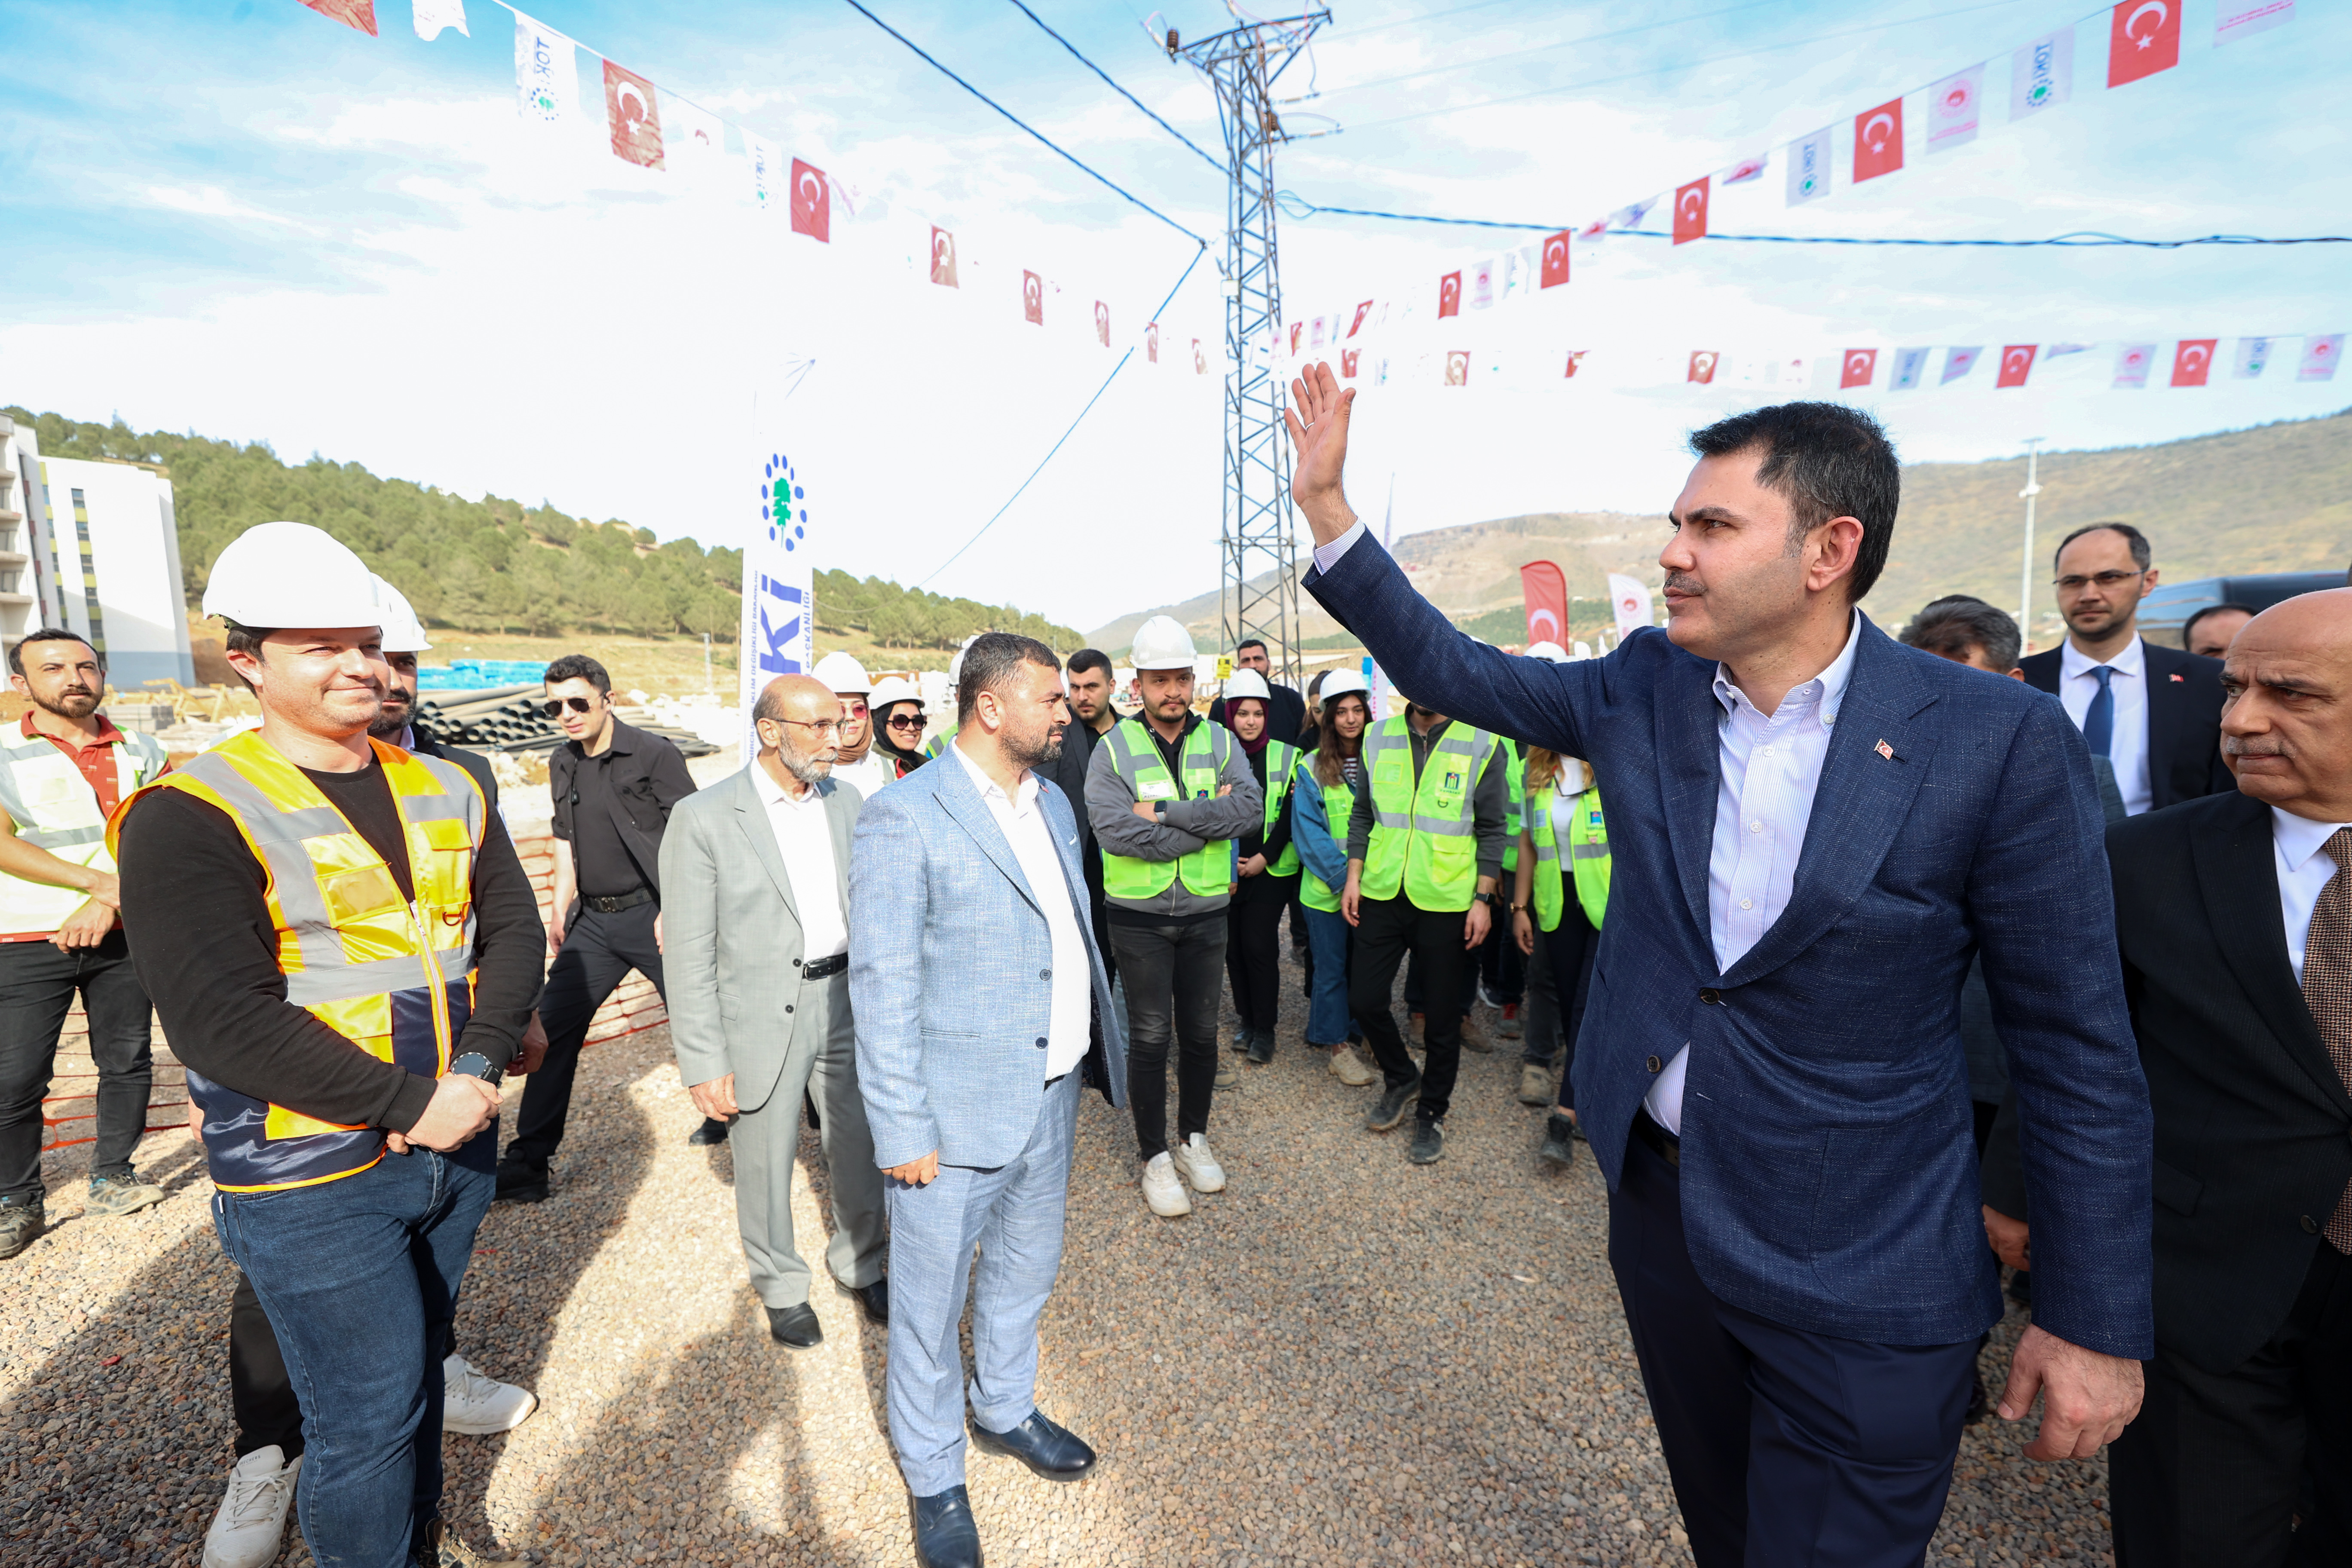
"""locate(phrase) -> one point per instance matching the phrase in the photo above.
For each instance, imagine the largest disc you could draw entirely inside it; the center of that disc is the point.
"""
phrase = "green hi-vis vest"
(1424, 838)
(54, 807)
(1515, 813)
(1588, 854)
(1279, 762)
(1135, 757)
(1339, 804)
(937, 746)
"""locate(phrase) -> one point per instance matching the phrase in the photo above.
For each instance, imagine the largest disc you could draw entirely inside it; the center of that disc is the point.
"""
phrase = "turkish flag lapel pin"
(2178, 679)
(1883, 750)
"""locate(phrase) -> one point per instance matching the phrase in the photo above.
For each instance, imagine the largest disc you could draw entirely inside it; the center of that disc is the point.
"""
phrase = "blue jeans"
(1329, 1022)
(359, 1278)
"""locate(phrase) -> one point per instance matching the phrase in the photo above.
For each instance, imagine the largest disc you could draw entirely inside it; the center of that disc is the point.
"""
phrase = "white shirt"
(2128, 748)
(1770, 768)
(805, 839)
(2302, 871)
(868, 774)
(1069, 1025)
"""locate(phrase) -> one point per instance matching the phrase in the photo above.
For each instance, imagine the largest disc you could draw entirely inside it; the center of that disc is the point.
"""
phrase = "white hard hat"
(278, 574)
(1247, 683)
(1549, 652)
(894, 688)
(403, 632)
(843, 675)
(955, 665)
(1340, 682)
(1162, 643)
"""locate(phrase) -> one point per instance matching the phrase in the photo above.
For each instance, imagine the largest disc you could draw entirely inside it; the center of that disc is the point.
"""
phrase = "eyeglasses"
(554, 706)
(821, 726)
(905, 722)
(2073, 584)
(853, 710)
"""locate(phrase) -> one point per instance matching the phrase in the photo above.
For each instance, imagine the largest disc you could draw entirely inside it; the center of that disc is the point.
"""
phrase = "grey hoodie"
(1188, 824)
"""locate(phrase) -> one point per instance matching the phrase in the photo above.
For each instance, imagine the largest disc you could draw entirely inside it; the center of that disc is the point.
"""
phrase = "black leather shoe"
(1261, 1050)
(796, 1326)
(1560, 1140)
(876, 1299)
(713, 1130)
(946, 1535)
(1054, 1452)
(1384, 1116)
(1428, 1143)
(521, 1184)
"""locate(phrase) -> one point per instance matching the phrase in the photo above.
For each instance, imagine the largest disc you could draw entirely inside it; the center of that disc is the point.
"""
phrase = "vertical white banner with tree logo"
(779, 583)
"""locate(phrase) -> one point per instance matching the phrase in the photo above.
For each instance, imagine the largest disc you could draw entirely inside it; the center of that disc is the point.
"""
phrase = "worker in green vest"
(1558, 900)
(1425, 848)
(1267, 867)
(1169, 794)
(1323, 798)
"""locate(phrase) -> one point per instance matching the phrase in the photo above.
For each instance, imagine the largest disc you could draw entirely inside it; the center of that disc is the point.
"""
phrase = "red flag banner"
(1457, 367)
(359, 14)
(1860, 366)
(1702, 367)
(1033, 298)
(1449, 294)
(1878, 141)
(943, 258)
(1546, 592)
(1102, 323)
(1297, 328)
(2016, 364)
(2192, 360)
(1348, 363)
(1151, 343)
(1200, 359)
(811, 202)
(1574, 355)
(1358, 325)
(1555, 262)
(1690, 211)
(2143, 38)
(636, 124)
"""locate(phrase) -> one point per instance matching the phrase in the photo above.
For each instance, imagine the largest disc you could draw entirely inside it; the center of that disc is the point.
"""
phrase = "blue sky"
(241, 217)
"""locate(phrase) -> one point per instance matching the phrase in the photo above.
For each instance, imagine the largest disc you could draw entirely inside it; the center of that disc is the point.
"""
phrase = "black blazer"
(649, 777)
(2253, 1128)
(477, 765)
(2184, 721)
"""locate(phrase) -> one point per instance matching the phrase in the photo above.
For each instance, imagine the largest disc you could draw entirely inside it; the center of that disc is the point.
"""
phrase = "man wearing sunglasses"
(612, 786)
(2155, 712)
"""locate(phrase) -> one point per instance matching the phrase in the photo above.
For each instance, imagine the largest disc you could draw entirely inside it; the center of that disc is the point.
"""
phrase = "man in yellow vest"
(61, 774)
(1167, 794)
(345, 952)
(1424, 848)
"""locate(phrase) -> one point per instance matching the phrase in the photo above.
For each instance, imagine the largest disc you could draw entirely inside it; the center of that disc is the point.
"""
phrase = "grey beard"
(808, 770)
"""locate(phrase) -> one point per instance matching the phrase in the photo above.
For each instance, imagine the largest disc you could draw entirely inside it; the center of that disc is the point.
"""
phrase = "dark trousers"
(1568, 948)
(1502, 968)
(1785, 1447)
(261, 1396)
(2208, 1476)
(599, 951)
(1171, 973)
(1387, 929)
(37, 983)
(1253, 952)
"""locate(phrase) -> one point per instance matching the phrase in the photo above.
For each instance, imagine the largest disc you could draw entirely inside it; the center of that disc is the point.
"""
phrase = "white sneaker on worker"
(1161, 1190)
(477, 1405)
(1350, 1069)
(251, 1524)
(1200, 1167)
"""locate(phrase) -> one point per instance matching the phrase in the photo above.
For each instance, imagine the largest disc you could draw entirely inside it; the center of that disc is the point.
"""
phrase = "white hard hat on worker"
(1340, 682)
(842, 676)
(1162, 643)
(403, 632)
(306, 632)
(1244, 683)
(291, 574)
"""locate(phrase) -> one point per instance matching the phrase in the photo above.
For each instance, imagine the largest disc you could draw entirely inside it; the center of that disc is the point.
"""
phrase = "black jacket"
(1286, 711)
(649, 777)
(2184, 721)
(2253, 1127)
(477, 765)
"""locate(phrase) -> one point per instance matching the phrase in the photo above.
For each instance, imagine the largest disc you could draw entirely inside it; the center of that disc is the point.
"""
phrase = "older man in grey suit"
(755, 938)
(976, 976)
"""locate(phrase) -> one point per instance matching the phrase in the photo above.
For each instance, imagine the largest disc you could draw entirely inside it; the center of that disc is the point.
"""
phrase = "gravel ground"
(1341, 1359)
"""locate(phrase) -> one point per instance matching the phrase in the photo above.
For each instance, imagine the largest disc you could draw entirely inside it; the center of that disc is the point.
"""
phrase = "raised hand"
(1317, 421)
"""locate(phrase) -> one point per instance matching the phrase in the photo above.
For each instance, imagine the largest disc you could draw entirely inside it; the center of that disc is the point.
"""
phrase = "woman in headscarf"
(1265, 870)
(896, 706)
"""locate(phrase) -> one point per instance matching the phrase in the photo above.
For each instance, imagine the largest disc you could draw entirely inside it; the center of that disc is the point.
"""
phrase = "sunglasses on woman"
(554, 706)
(904, 721)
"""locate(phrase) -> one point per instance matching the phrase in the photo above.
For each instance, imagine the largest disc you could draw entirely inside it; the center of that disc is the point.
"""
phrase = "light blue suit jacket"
(950, 966)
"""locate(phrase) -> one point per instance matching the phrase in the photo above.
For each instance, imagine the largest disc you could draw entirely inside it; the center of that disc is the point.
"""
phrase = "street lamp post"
(2025, 572)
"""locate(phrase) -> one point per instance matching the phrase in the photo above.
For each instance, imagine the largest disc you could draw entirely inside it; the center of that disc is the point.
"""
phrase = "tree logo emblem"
(782, 507)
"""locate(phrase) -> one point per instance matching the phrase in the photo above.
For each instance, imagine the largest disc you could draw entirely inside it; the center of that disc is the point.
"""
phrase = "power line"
(1206, 156)
(1058, 445)
(1070, 157)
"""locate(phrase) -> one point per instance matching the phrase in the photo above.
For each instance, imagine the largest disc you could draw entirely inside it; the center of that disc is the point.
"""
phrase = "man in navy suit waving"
(1815, 830)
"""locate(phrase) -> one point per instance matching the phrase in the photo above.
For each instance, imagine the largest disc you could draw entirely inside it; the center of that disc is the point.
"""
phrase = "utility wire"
(1073, 430)
(1214, 163)
(1070, 157)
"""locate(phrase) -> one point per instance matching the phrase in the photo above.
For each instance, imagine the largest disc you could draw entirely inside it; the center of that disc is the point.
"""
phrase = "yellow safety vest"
(1588, 855)
(47, 796)
(1208, 871)
(1514, 810)
(1424, 836)
(1339, 804)
(1279, 761)
(393, 977)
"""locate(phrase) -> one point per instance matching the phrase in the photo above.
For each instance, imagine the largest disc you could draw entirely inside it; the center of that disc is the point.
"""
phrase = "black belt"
(1662, 1143)
(604, 906)
(1055, 1079)
(822, 968)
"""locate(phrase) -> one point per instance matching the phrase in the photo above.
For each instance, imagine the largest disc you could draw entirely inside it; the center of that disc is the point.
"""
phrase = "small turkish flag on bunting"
(811, 202)
(2016, 364)
(359, 14)
(1449, 294)
(1151, 343)
(1702, 367)
(2143, 38)
(1878, 141)
(1033, 298)
(1574, 355)
(1690, 211)
(1200, 359)
(943, 258)
(1860, 366)
(1297, 328)
(1457, 367)
(2192, 360)
(636, 124)
(1358, 325)
(1555, 262)
(1348, 363)
(1102, 323)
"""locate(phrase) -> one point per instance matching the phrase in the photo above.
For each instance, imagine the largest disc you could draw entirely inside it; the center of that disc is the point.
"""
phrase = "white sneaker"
(1162, 1191)
(1199, 1165)
(251, 1523)
(476, 1405)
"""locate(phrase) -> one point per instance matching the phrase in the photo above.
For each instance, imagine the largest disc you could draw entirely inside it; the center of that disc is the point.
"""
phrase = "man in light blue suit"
(1814, 830)
(974, 979)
